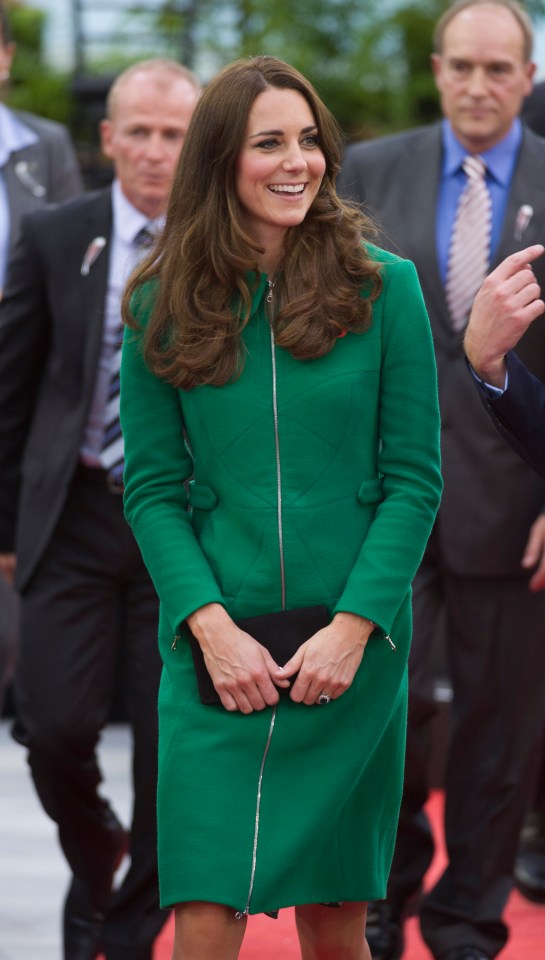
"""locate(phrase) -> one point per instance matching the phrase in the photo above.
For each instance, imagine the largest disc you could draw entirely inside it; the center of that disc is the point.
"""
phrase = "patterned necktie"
(112, 453)
(469, 249)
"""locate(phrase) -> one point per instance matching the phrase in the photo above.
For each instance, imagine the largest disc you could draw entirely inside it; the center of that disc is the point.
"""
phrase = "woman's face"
(280, 166)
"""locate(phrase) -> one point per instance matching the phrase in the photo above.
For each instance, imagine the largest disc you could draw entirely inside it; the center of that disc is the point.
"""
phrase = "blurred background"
(369, 59)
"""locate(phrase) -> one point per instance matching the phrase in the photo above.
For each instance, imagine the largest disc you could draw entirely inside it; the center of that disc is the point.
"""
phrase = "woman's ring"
(324, 698)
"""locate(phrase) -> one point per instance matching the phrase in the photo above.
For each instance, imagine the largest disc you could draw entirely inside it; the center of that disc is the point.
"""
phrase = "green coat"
(357, 439)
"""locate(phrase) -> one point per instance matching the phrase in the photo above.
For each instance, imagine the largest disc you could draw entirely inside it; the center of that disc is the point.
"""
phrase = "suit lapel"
(24, 187)
(527, 189)
(424, 173)
(424, 169)
(92, 279)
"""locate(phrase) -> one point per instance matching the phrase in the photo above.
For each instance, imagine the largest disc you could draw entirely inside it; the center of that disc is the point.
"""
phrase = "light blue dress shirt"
(14, 135)
(500, 162)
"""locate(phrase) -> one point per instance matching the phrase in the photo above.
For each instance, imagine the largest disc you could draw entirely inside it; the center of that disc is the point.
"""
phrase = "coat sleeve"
(157, 467)
(519, 414)
(409, 454)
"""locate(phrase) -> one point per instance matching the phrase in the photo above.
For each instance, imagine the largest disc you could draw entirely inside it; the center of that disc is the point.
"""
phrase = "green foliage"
(368, 60)
(536, 8)
(27, 26)
(35, 86)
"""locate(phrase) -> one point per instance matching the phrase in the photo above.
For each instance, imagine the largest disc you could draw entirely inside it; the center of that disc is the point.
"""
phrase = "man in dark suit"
(510, 300)
(530, 865)
(88, 608)
(484, 569)
(37, 166)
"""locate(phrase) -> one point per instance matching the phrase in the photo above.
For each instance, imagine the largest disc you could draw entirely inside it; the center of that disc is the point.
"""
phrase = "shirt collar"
(127, 220)
(500, 159)
(14, 134)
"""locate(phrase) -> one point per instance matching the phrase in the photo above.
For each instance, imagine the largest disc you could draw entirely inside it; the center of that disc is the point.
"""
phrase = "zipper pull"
(177, 636)
(391, 642)
(240, 914)
(270, 293)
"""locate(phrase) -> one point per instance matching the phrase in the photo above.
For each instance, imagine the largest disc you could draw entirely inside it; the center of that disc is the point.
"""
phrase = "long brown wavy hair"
(206, 262)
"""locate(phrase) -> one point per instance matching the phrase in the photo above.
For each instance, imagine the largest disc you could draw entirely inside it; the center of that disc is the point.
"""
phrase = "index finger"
(516, 261)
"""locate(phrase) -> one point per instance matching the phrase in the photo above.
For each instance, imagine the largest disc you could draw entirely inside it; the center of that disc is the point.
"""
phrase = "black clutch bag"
(282, 633)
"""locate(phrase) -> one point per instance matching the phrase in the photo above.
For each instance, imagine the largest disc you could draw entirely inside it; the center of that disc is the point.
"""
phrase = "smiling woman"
(272, 359)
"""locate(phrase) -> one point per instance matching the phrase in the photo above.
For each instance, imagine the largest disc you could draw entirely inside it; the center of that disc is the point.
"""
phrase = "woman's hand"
(328, 661)
(242, 671)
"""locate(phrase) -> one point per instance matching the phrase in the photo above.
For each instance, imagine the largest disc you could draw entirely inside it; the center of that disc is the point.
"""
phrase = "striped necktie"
(469, 250)
(112, 452)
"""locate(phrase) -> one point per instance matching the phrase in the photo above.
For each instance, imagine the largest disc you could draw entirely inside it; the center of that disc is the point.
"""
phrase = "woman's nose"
(294, 159)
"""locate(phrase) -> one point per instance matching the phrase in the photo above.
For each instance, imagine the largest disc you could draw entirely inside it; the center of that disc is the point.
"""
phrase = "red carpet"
(268, 939)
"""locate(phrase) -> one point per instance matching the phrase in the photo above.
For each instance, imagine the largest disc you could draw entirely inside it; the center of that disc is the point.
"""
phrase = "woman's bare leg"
(332, 933)
(206, 931)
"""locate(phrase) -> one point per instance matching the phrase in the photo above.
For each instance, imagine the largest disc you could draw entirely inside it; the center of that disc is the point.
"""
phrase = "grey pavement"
(33, 873)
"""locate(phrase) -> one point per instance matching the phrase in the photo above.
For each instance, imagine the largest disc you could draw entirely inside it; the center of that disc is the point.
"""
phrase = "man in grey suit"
(37, 160)
(37, 166)
(484, 568)
(88, 607)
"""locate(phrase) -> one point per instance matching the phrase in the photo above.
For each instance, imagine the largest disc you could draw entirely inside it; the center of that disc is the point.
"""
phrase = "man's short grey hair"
(158, 67)
(515, 8)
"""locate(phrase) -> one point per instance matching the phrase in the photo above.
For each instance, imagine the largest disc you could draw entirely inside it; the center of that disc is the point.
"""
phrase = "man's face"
(145, 134)
(481, 75)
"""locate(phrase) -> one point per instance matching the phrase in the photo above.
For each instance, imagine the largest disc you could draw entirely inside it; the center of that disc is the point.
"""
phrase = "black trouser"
(539, 796)
(89, 617)
(495, 633)
(9, 632)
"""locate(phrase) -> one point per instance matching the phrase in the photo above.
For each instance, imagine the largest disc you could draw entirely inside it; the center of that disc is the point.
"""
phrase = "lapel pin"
(25, 176)
(93, 251)
(524, 215)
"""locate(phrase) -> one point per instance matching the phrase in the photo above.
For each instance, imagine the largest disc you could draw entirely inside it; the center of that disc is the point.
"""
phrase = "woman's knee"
(206, 931)
(328, 933)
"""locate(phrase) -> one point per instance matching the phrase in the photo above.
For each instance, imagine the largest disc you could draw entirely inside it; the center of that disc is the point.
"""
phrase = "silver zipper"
(278, 473)
(240, 914)
(244, 913)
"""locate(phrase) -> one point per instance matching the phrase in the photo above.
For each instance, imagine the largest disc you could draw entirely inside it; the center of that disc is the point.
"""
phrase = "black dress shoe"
(384, 930)
(82, 925)
(83, 909)
(530, 875)
(529, 872)
(463, 953)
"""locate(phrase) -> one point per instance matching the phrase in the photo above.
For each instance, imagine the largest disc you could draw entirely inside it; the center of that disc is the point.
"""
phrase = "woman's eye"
(267, 144)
